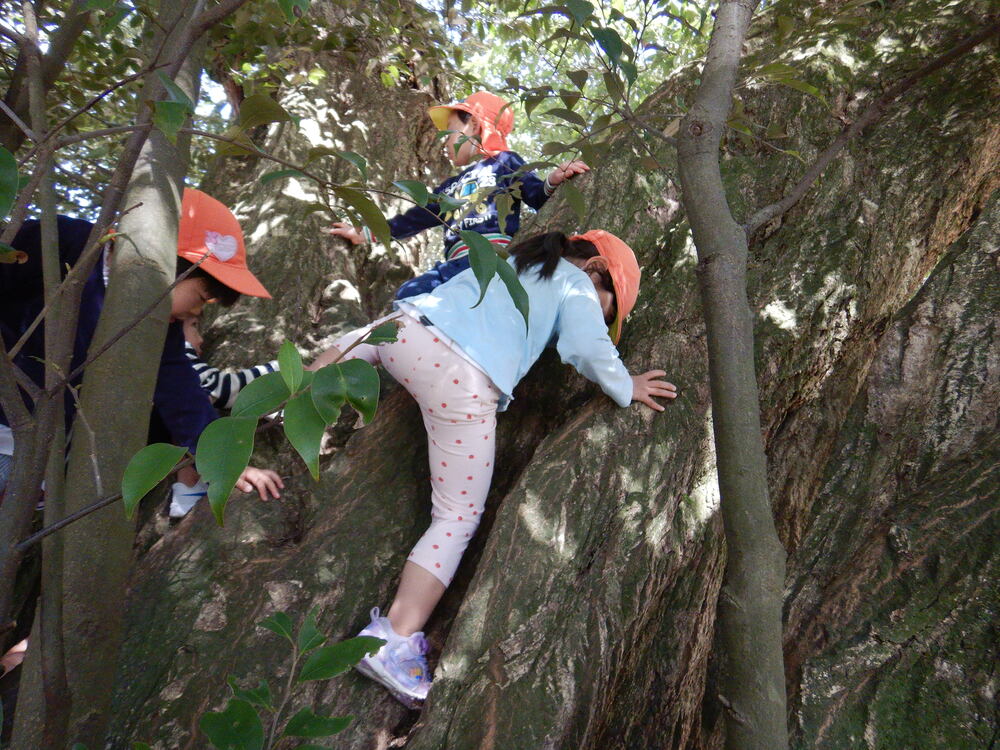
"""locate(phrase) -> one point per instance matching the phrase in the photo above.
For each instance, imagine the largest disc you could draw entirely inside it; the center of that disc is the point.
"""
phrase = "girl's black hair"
(547, 249)
(225, 295)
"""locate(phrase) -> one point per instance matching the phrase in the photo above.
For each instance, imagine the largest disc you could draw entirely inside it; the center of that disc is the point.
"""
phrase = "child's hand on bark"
(647, 385)
(567, 171)
(352, 234)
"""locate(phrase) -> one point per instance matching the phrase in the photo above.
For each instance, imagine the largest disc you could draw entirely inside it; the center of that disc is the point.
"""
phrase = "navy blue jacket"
(178, 400)
(497, 171)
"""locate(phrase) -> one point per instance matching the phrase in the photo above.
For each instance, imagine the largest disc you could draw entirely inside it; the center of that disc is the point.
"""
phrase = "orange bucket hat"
(494, 116)
(209, 230)
(624, 270)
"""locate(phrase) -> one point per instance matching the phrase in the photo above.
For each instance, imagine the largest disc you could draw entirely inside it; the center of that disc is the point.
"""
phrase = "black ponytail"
(547, 249)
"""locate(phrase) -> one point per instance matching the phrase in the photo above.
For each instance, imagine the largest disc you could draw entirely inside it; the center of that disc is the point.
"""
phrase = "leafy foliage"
(240, 726)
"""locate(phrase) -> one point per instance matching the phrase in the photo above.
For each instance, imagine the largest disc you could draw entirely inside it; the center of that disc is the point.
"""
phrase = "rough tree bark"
(584, 613)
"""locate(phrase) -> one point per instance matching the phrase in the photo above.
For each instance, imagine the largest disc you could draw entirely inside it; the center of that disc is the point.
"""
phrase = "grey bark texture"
(114, 398)
(751, 669)
(584, 612)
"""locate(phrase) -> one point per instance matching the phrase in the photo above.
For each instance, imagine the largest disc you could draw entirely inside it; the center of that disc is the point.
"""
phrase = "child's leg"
(458, 402)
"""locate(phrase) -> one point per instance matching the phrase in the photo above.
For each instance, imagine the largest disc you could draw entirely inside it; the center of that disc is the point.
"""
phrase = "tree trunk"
(584, 613)
(114, 400)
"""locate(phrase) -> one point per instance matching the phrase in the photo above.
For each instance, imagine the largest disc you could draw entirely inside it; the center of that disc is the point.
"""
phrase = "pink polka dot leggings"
(458, 402)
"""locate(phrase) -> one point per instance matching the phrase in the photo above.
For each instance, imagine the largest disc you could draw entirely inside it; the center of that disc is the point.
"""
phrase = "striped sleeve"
(222, 386)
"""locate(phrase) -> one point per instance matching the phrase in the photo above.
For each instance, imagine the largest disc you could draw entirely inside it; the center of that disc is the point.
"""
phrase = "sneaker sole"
(385, 680)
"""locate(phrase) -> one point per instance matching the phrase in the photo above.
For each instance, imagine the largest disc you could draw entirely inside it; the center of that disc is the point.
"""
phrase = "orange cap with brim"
(209, 230)
(624, 270)
(494, 116)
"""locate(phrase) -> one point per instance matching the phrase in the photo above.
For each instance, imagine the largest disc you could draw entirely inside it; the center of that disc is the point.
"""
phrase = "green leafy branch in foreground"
(240, 726)
(305, 402)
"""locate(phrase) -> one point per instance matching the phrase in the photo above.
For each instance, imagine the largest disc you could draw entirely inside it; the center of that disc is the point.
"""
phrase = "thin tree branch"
(871, 114)
(81, 418)
(66, 140)
(17, 121)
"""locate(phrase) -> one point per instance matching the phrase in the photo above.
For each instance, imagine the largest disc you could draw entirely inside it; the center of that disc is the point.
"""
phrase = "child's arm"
(407, 224)
(535, 191)
(584, 343)
(223, 386)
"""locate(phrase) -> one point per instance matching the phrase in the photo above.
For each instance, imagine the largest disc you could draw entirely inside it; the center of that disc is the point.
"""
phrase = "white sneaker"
(184, 498)
(400, 665)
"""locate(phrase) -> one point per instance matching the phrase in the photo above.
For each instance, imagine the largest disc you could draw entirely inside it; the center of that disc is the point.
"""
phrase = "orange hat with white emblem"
(209, 230)
(624, 270)
(494, 116)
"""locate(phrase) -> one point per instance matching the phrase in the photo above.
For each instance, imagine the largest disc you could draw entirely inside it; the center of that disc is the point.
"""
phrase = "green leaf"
(279, 623)
(307, 724)
(304, 429)
(141, 746)
(330, 661)
(447, 204)
(355, 381)
(260, 109)
(371, 213)
(579, 78)
(483, 259)
(356, 159)
(241, 146)
(309, 635)
(383, 334)
(610, 42)
(362, 387)
(416, 190)
(175, 92)
(8, 182)
(568, 115)
(806, 88)
(554, 148)
(224, 450)
(280, 175)
(505, 205)
(261, 396)
(581, 10)
(329, 392)
(575, 199)
(290, 364)
(510, 279)
(236, 728)
(614, 86)
(631, 71)
(258, 696)
(530, 102)
(293, 9)
(169, 118)
(145, 470)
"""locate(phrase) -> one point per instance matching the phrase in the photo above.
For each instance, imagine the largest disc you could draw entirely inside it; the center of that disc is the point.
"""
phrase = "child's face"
(192, 334)
(597, 270)
(188, 298)
(466, 153)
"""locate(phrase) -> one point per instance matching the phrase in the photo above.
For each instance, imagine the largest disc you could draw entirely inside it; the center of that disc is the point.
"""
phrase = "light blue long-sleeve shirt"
(563, 309)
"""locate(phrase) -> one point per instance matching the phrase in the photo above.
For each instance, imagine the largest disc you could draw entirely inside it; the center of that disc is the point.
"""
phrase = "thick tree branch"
(871, 114)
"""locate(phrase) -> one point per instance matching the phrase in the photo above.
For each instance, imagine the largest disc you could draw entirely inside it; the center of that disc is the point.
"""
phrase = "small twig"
(17, 121)
(68, 139)
(19, 39)
(98, 484)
